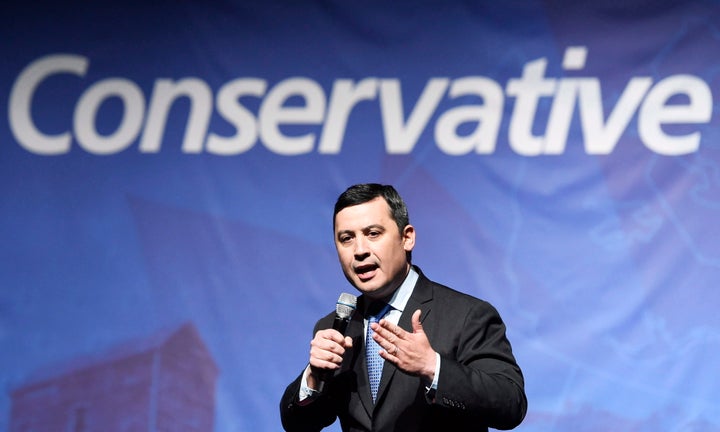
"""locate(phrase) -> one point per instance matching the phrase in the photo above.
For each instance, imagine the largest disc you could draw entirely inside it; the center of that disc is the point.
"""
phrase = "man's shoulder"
(453, 297)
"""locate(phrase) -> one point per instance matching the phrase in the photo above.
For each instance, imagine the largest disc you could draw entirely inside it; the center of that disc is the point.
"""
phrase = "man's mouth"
(365, 272)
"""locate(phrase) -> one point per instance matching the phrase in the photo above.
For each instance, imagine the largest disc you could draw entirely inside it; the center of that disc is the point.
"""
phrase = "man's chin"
(372, 290)
(365, 288)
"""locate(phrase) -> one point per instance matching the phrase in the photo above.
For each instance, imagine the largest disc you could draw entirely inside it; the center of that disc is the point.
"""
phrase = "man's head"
(374, 238)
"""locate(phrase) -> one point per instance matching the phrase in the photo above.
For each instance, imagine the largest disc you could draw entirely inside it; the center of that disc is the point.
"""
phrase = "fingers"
(388, 331)
(391, 338)
(327, 349)
(390, 353)
(416, 325)
(390, 357)
(330, 335)
(394, 351)
(410, 352)
(395, 340)
(392, 332)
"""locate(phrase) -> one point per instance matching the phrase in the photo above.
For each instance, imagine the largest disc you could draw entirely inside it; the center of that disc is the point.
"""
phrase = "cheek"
(344, 257)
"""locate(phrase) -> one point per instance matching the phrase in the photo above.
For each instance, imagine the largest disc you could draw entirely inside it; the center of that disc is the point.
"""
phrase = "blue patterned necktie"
(374, 361)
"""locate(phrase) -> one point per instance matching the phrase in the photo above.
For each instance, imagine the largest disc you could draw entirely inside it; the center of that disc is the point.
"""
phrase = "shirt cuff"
(306, 394)
(430, 391)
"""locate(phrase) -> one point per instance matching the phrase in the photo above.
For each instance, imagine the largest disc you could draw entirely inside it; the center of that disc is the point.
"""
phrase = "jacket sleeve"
(311, 416)
(479, 376)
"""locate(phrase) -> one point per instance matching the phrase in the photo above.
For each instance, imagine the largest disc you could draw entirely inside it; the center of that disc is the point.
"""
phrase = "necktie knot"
(377, 310)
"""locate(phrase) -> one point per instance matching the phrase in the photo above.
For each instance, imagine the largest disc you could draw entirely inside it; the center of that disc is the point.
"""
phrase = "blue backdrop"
(172, 162)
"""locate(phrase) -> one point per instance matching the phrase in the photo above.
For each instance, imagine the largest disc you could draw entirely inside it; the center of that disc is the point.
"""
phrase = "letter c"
(21, 96)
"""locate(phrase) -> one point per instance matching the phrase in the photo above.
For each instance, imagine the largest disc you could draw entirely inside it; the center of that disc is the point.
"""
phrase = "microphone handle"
(340, 324)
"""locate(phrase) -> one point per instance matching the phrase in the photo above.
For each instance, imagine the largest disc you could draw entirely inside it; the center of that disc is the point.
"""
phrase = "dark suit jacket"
(480, 384)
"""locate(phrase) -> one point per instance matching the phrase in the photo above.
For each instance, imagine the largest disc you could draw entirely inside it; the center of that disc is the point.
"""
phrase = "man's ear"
(408, 235)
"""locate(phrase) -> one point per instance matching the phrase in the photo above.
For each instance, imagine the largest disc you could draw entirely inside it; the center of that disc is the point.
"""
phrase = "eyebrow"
(374, 226)
(364, 229)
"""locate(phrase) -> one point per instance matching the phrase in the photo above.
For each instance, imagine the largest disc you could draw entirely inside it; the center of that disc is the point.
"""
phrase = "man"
(447, 362)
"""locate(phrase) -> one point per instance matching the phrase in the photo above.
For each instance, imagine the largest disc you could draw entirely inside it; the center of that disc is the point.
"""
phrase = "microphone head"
(346, 305)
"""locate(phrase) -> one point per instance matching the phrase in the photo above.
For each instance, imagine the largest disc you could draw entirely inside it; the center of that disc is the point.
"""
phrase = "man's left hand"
(410, 352)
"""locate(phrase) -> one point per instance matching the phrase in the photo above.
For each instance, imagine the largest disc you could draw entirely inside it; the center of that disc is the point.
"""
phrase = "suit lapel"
(421, 298)
(363, 384)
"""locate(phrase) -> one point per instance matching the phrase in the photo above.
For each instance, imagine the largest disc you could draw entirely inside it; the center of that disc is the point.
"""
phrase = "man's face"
(371, 249)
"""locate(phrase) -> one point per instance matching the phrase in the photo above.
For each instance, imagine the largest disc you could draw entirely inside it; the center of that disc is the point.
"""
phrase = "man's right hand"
(326, 353)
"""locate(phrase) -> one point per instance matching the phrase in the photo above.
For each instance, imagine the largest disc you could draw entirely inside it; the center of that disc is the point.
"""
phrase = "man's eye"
(345, 239)
(373, 233)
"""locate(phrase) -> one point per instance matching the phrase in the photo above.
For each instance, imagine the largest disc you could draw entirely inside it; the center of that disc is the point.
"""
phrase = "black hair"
(362, 193)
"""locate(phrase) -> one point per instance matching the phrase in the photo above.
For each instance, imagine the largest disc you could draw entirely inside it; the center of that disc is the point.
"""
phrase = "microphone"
(344, 308)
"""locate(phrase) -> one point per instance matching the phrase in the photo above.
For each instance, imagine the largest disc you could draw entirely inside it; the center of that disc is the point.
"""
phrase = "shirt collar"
(401, 295)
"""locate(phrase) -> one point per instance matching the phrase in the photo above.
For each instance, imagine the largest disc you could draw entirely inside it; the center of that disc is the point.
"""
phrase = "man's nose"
(361, 246)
